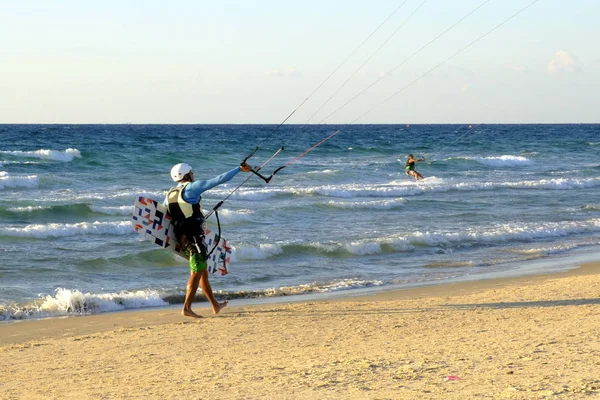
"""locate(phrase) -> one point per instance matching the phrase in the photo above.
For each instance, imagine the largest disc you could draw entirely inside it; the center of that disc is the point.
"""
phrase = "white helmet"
(179, 171)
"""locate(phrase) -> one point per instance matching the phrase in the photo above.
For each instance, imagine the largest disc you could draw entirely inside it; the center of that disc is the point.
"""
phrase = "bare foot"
(190, 313)
(220, 306)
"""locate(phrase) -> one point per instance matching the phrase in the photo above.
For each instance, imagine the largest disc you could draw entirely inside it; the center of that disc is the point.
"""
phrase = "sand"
(521, 338)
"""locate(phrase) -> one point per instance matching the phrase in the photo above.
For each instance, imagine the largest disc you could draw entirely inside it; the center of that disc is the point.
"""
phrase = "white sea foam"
(73, 301)
(227, 216)
(252, 253)
(406, 187)
(12, 162)
(46, 154)
(552, 249)
(27, 209)
(362, 248)
(41, 231)
(116, 210)
(27, 181)
(69, 302)
(85, 197)
(255, 194)
(351, 190)
(502, 161)
(358, 247)
(323, 172)
(344, 284)
(495, 234)
(507, 232)
(375, 204)
(396, 188)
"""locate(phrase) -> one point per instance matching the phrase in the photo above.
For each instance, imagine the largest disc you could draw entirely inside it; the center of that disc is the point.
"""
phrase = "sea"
(342, 218)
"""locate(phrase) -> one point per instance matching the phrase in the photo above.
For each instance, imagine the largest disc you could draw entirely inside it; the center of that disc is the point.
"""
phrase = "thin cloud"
(519, 68)
(381, 73)
(563, 61)
(289, 72)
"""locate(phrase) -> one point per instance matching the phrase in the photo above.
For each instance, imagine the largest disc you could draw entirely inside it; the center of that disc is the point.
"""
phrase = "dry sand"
(523, 338)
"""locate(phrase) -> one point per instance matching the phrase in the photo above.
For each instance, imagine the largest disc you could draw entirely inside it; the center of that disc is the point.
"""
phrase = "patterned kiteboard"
(152, 221)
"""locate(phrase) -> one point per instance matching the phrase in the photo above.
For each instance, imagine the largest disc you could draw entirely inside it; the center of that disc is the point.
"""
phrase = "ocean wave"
(67, 302)
(348, 191)
(343, 284)
(323, 172)
(449, 264)
(77, 209)
(261, 252)
(255, 194)
(46, 154)
(374, 204)
(43, 231)
(399, 188)
(28, 181)
(502, 161)
(6, 162)
(112, 210)
(227, 216)
(393, 189)
(558, 248)
(490, 235)
(592, 207)
(333, 249)
(503, 233)
(27, 209)
(75, 302)
(103, 195)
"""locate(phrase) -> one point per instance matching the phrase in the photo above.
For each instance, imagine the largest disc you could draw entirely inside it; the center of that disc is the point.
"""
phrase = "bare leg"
(207, 289)
(192, 288)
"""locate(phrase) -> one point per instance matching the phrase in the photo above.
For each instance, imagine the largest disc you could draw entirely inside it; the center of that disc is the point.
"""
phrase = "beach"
(528, 337)
(400, 202)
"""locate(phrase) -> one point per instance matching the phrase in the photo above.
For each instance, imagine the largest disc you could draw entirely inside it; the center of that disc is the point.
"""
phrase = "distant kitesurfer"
(184, 203)
(410, 167)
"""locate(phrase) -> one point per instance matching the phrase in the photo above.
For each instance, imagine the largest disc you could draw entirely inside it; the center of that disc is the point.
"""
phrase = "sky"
(323, 62)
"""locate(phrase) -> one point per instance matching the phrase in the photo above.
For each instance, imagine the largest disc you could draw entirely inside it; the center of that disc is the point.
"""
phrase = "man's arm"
(196, 188)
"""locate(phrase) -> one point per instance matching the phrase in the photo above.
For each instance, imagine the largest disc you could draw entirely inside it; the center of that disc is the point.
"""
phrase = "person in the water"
(410, 167)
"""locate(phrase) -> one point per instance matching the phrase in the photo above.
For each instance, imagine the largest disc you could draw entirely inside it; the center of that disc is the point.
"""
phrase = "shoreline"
(14, 332)
(526, 337)
(533, 267)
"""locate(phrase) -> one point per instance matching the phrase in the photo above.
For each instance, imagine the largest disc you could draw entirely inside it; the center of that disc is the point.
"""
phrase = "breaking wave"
(45, 154)
(28, 181)
(43, 231)
(496, 234)
(399, 188)
(67, 302)
(502, 161)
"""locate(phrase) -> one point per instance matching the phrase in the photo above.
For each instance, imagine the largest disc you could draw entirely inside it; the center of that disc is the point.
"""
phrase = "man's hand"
(245, 167)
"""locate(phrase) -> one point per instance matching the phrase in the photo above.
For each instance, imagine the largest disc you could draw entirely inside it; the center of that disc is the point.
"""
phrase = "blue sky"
(256, 62)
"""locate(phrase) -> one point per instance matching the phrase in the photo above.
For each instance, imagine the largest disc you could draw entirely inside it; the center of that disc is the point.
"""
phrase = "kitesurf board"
(152, 221)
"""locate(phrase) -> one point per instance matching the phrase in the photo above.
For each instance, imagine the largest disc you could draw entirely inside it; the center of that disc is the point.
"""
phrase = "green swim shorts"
(197, 260)
(197, 263)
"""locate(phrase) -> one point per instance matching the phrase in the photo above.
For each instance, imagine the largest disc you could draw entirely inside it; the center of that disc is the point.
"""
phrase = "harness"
(187, 218)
